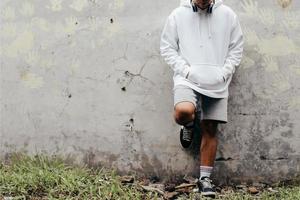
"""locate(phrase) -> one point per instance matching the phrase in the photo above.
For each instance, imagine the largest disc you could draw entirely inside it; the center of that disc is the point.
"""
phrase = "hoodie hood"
(187, 3)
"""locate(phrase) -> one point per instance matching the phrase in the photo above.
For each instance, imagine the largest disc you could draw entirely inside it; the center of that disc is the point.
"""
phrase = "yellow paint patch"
(267, 16)
(8, 30)
(27, 9)
(270, 64)
(32, 80)
(281, 86)
(294, 102)
(247, 62)
(94, 23)
(41, 23)
(32, 58)
(117, 5)
(8, 13)
(75, 66)
(284, 3)
(275, 84)
(111, 30)
(46, 63)
(278, 46)
(291, 20)
(250, 8)
(71, 24)
(55, 5)
(79, 5)
(251, 36)
(295, 68)
(22, 44)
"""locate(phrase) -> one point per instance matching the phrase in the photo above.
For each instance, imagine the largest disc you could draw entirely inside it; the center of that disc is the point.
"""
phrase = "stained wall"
(84, 79)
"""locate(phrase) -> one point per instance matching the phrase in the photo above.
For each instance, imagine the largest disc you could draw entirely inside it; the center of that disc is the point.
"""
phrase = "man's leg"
(209, 142)
(208, 149)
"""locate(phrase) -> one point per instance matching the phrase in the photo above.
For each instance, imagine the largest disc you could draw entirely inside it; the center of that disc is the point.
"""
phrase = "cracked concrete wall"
(84, 79)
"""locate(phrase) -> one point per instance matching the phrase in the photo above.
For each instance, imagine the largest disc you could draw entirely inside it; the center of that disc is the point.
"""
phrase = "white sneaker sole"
(208, 194)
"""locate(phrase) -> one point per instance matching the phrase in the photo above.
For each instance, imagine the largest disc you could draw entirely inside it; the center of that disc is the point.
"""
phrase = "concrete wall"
(84, 79)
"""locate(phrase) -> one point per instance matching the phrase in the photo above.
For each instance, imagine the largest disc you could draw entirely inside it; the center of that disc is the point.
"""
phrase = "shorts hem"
(219, 120)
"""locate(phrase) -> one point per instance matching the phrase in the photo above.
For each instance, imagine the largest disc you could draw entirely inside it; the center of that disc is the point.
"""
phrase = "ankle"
(205, 171)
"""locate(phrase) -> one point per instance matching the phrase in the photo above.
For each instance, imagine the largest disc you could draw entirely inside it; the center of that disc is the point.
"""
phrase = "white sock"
(205, 171)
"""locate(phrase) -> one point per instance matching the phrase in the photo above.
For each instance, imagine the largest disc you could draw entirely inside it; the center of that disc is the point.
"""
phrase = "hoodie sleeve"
(235, 49)
(169, 47)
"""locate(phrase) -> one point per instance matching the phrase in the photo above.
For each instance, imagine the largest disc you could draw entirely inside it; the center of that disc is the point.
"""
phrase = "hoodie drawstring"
(209, 25)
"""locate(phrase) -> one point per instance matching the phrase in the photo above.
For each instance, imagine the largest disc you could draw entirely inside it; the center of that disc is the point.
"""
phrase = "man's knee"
(184, 112)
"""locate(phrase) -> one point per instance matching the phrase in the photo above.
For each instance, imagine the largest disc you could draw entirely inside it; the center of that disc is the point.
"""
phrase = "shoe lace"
(207, 182)
(187, 133)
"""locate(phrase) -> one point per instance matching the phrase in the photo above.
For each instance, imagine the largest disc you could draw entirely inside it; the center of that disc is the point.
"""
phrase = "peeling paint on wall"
(79, 5)
(32, 58)
(32, 80)
(75, 66)
(278, 46)
(295, 68)
(8, 13)
(294, 102)
(291, 20)
(55, 5)
(247, 62)
(65, 61)
(270, 64)
(8, 30)
(250, 8)
(284, 3)
(267, 16)
(41, 23)
(71, 24)
(27, 9)
(117, 5)
(251, 37)
(22, 44)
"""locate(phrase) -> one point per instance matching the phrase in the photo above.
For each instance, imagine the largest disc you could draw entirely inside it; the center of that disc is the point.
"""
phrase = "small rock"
(144, 181)
(152, 189)
(272, 190)
(184, 185)
(241, 186)
(189, 179)
(170, 187)
(158, 186)
(170, 195)
(127, 179)
(253, 190)
(259, 185)
(195, 190)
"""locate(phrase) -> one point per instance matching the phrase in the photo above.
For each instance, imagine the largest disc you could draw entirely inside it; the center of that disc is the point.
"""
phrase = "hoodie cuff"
(185, 71)
(226, 73)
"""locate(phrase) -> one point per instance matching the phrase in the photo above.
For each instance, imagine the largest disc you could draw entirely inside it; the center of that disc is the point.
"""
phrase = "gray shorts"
(208, 107)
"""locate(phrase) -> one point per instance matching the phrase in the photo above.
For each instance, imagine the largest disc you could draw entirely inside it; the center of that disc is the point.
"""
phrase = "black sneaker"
(186, 136)
(206, 188)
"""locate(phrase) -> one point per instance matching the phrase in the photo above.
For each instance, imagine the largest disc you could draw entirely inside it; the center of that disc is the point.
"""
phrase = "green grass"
(41, 176)
(45, 177)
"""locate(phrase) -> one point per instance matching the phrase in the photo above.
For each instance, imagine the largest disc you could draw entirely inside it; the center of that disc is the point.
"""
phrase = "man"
(202, 42)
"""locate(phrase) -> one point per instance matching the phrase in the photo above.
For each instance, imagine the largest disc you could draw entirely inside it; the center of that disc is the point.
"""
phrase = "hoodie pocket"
(207, 76)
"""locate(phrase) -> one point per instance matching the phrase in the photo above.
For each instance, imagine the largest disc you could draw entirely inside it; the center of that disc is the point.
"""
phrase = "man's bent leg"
(185, 116)
(184, 112)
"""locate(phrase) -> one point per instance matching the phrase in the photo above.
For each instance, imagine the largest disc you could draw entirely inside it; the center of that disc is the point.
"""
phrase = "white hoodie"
(202, 49)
